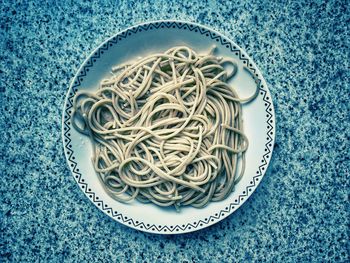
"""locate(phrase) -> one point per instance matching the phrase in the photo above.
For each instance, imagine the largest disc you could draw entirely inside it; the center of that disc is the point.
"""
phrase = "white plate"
(259, 125)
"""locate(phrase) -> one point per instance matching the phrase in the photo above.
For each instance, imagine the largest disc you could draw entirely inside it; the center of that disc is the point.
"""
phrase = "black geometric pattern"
(79, 78)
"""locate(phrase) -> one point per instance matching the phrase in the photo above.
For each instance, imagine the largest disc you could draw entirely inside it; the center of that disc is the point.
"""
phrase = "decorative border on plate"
(79, 78)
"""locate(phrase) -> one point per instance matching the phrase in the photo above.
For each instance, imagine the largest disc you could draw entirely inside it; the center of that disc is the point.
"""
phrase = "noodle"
(166, 129)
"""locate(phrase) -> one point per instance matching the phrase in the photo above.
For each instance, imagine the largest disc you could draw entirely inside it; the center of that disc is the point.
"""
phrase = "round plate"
(258, 116)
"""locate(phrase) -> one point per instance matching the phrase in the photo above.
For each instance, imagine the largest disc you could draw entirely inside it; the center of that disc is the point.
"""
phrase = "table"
(299, 213)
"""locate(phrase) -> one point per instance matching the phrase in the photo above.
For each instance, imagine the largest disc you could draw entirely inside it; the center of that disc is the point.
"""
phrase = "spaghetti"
(166, 129)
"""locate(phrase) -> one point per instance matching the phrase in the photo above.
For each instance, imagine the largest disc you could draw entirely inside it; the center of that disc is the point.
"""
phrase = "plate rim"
(221, 39)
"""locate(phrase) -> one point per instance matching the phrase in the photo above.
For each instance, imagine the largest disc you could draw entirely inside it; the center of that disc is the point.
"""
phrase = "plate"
(258, 116)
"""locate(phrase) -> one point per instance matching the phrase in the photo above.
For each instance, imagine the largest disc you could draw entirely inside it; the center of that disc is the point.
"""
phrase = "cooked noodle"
(166, 129)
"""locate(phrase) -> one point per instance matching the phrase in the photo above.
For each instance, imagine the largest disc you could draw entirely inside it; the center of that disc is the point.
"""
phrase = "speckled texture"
(298, 213)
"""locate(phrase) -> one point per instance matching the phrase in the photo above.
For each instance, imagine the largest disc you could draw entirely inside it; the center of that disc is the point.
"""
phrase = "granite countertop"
(300, 211)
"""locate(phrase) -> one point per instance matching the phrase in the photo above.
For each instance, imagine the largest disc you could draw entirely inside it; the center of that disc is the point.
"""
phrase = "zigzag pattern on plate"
(79, 78)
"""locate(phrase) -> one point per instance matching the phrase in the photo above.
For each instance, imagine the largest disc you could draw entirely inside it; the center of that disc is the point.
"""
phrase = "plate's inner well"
(167, 129)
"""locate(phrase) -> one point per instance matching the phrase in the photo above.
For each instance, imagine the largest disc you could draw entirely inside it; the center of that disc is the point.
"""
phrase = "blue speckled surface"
(298, 213)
